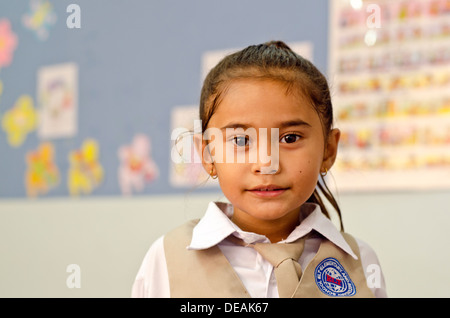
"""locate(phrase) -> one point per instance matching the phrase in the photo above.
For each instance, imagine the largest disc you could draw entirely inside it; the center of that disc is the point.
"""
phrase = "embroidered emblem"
(332, 279)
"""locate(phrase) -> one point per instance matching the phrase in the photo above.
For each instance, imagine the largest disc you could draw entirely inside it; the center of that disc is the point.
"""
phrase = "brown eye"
(290, 138)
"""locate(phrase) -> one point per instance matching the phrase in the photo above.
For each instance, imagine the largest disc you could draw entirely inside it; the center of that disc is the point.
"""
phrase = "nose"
(271, 167)
(269, 170)
(267, 163)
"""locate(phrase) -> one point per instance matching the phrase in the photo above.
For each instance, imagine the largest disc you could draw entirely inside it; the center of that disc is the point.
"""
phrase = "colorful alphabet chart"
(389, 73)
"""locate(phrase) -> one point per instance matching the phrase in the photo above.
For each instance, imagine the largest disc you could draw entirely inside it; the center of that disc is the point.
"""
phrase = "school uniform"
(202, 259)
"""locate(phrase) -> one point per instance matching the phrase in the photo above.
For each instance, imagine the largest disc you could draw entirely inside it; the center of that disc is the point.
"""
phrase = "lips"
(270, 190)
(270, 187)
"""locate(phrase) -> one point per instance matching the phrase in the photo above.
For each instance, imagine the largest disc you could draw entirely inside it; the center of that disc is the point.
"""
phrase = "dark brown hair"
(274, 60)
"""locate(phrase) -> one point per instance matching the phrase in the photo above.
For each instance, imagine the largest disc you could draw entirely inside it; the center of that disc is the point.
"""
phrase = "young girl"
(275, 238)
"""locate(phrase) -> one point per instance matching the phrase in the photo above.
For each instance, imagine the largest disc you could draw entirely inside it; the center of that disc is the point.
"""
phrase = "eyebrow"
(283, 125)
(292, 123)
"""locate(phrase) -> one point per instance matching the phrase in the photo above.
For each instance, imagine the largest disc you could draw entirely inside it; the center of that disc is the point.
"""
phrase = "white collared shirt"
(255, 272)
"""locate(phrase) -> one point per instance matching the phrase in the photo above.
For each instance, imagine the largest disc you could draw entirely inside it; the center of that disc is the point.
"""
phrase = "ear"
(331, 148)
(201, 146)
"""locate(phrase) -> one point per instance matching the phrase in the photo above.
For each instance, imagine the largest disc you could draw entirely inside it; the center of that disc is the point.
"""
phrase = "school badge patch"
(332, 279)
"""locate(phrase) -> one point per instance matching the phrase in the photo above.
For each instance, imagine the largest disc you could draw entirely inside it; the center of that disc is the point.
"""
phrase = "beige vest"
(208, 274)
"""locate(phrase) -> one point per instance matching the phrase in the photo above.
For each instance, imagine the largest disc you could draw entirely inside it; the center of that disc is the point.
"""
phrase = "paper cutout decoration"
(19, 120)
(136, 165)
(8, 43)
(57, 100)
(40, 18)
(85, 172)
(42, 173)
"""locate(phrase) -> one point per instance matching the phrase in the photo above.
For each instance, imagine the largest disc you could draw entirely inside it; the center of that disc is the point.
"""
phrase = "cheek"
(308, 176)
(305, 180)
(229, 185)
(305, 163)
(230, 173)
(304, 172)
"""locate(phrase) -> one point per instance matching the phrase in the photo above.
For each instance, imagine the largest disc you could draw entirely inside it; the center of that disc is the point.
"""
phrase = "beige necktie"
(284, 258)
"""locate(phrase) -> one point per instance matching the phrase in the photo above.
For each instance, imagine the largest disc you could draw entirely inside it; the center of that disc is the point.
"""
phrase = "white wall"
(410, 233)
(108, 237)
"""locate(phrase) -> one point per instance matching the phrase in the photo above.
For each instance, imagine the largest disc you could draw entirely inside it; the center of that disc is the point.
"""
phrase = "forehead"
(263, 103)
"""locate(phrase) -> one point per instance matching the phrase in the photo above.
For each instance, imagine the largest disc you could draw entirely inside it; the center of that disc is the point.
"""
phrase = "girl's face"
(303, 151)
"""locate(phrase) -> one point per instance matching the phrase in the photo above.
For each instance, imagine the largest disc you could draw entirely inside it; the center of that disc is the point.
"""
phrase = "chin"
(270, 214)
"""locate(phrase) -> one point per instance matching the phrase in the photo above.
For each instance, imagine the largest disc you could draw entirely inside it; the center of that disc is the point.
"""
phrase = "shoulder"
(152, 279)
(183, 229)
(360, 247)
(366, 251)
(154, 253)
(372, 268)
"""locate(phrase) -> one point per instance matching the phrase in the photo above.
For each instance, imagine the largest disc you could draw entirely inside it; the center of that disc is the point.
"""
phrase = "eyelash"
(297, 137)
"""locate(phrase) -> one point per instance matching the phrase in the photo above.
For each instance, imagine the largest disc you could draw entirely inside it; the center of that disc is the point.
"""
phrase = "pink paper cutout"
(8, 43)
(137, 167)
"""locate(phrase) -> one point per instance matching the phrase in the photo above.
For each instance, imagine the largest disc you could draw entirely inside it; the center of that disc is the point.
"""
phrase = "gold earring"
(211, 173)
(323, 174)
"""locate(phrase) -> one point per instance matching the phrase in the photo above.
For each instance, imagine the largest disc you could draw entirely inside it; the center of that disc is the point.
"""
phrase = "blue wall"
(137, 60)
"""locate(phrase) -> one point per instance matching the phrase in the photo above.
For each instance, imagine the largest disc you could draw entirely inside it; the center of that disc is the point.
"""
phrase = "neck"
(275, 230)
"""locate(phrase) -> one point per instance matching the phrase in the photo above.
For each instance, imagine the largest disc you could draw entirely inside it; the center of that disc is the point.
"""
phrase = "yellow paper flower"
(40, 18)
(42, 173)
(85, 173)
(20, 120)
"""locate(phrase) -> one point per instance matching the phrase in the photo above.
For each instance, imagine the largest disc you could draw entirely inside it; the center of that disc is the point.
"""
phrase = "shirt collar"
(216, 225)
